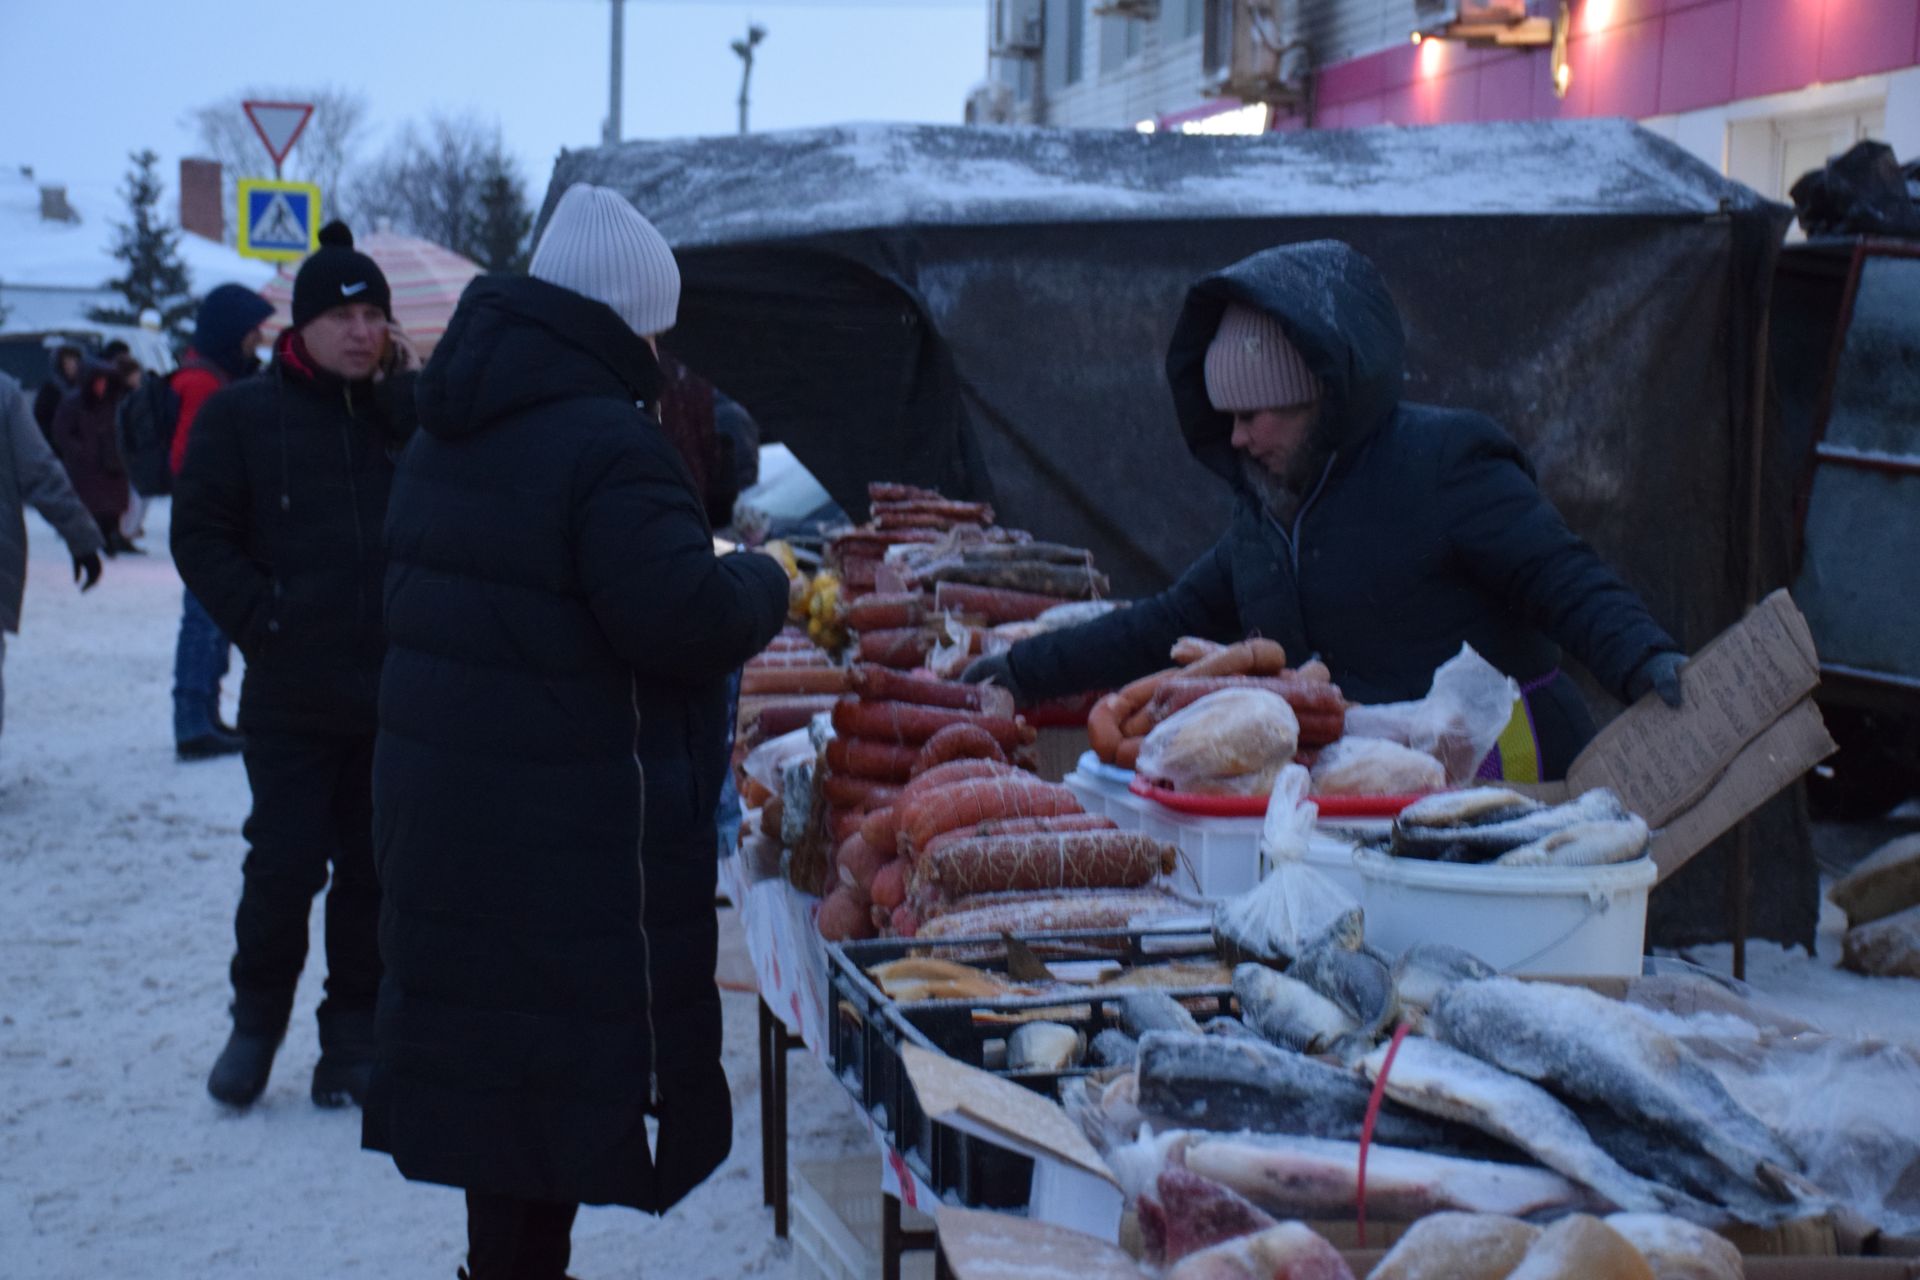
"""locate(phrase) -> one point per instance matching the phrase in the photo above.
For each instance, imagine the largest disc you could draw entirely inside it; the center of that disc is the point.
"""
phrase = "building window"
(1219, 35)
(1076, 40)
(1196, 17)
(1136, 36)
(1112, 43)
(1023, 86)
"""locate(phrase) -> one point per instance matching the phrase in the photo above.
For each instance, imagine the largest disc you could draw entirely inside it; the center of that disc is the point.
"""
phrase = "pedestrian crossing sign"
(279, 221)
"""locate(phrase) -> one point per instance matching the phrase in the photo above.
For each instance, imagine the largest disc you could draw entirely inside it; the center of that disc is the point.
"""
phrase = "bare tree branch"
(329, 147)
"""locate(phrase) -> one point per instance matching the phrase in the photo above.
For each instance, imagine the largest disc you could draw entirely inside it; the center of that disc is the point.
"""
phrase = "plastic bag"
(1458, 721)
(1356, 766)
(953, 653)
(1296, 903)
(1290, 818)
(1828, 1098)
(796, 799)
(1861, 192)
(765, 762)
(1229, 743)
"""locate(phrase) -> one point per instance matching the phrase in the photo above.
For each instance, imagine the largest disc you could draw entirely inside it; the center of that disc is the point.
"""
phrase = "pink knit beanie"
(1251, 366)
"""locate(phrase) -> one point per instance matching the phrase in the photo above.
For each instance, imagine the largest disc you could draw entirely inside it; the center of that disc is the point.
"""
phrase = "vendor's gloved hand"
(995, 668)
(86, 570)
(1658, 674)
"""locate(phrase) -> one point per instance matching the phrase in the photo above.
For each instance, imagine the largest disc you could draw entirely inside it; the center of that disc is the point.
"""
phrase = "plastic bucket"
(1557, 921)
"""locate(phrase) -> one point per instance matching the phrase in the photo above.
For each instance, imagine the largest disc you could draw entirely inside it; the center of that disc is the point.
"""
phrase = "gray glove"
(1658, 674)
(995, 668)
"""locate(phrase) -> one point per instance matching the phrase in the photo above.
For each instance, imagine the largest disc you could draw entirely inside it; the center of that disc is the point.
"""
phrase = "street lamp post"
(744, 49)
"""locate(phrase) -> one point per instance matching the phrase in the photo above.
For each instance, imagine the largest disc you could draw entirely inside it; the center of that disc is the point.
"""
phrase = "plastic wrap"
(1296, 903)
(1458, 721)
(1833, 1101)
(1234, 742)
(766, 761)
(1356, 766)
(796, 799)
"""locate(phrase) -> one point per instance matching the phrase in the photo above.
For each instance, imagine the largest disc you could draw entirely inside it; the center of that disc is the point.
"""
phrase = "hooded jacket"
(276, 531)
(85, 438)
(552, 745)
(1426, 529)
(226, 316)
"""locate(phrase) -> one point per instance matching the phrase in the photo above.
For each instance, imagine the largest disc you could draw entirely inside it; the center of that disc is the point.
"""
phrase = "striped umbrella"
(426, 281)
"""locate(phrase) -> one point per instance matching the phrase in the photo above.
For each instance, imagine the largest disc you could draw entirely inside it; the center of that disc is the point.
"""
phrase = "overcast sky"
(86, 83)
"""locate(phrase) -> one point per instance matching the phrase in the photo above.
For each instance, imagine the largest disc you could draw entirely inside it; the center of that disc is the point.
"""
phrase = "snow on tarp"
(855, 177)
(988, 311)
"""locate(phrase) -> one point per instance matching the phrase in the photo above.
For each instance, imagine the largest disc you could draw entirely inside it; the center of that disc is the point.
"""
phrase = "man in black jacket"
(276, 531)
(552, 744)
(1372, 533)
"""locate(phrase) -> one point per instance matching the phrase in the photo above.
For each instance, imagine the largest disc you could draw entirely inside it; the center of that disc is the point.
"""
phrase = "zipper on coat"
(1291, 537)
(646, 944)
(353, 499)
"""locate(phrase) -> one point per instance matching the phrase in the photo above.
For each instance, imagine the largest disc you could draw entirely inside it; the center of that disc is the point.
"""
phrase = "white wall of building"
(1769, 142)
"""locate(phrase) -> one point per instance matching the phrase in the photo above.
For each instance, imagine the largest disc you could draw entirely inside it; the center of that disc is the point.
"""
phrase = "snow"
(820, 181)
(79, 255)
(1817, 991)
(122, 869)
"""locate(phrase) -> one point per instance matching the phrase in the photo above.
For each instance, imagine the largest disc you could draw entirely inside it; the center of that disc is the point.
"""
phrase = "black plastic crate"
(868, 1028)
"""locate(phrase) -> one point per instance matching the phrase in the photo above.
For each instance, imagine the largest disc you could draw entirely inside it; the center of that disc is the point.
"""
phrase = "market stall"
(1171, 1005)
(986, 311)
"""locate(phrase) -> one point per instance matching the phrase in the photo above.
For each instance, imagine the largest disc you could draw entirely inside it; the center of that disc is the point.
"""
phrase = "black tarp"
(987, 311)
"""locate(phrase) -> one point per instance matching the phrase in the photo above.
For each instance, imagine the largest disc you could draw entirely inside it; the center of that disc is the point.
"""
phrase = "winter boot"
(240, 1073)
(210, 745)
(346, 1059)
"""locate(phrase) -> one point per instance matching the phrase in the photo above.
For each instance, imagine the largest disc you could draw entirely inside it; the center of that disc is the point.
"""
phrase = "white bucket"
(1100, 788)
(1559, 921)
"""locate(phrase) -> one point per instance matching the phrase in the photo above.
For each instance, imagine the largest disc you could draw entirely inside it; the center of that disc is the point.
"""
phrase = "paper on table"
(1017, 1118)
(994, 1246)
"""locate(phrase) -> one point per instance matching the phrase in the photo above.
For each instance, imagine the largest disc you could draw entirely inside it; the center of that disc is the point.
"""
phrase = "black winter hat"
(335, 275)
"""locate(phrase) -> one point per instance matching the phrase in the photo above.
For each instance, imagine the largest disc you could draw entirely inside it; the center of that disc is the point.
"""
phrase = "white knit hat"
(1251, 366)
(599, 245)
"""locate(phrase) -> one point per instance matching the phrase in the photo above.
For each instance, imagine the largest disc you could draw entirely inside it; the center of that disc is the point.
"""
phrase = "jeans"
(728, 816)
(200, 660)
(312, 806)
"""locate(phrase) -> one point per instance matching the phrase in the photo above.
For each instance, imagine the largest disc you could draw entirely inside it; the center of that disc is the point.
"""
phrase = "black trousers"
(312, 810)
(513, 1239)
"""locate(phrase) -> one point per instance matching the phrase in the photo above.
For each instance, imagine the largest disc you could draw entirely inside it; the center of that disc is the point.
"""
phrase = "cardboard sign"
(1071, 1187)
(1748, 728)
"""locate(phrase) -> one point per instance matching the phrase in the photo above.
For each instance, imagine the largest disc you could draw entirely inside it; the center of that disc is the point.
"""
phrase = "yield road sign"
(279, 221)
(279, 125)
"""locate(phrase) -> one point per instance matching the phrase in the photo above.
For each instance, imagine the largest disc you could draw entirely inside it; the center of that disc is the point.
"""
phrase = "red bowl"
(1204, 806)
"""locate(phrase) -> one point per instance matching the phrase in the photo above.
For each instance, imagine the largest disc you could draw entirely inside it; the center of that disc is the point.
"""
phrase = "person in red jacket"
(225, 333)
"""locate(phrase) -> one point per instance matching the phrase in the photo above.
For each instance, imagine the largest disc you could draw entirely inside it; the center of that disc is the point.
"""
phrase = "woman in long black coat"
(552, 745)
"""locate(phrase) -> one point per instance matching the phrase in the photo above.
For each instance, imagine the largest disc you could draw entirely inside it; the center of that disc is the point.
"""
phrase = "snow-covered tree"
(149, 247)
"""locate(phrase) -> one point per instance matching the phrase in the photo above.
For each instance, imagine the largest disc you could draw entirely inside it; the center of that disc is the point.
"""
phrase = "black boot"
(240, 1073)
(346, 1059)
(210, 745)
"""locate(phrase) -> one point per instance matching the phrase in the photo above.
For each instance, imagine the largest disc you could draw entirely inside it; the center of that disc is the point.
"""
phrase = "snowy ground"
(122, 868)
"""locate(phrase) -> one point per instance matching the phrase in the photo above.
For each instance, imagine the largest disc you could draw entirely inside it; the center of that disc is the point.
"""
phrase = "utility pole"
(610, 134)
(744, 49)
